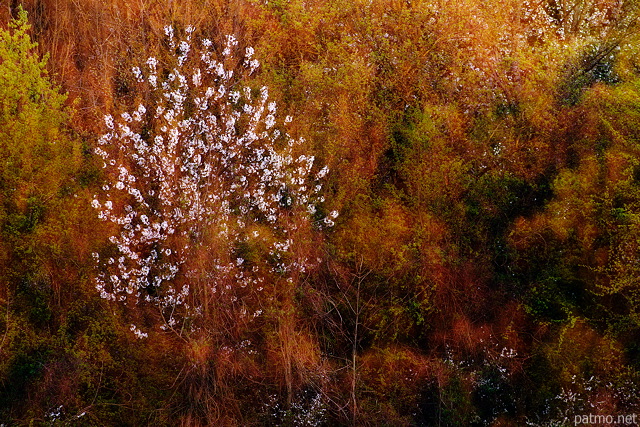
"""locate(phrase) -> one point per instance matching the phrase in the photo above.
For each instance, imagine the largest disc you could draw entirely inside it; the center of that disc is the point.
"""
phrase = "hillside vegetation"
(322, 212)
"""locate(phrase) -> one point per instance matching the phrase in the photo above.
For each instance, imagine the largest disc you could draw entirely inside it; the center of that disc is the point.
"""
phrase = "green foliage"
(32, 114)
(594, 65)
(449, 404)
(38, 154)
(39, 157)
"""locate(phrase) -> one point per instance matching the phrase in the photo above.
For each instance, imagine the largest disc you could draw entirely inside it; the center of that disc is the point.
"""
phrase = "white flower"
(108, 121)
(184, 51)
(323, 172)
(270, 121)
(253, 64)
(197, 78)
(168, 30)
(138, 333)
(152, 63)
(231, 40)
(138, 74)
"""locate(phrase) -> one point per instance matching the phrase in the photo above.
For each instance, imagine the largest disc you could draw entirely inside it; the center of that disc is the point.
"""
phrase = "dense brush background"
(485, 266)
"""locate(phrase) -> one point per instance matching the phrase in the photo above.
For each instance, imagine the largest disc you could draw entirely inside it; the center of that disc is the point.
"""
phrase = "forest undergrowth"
(321, 212)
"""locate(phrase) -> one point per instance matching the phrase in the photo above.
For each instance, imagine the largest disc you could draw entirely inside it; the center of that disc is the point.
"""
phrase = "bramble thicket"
(320, 212)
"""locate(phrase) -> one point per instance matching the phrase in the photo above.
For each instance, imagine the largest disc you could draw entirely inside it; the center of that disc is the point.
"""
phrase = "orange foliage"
(483, 157)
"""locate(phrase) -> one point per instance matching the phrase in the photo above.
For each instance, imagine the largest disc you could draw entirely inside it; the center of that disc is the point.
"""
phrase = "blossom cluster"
(205, 155)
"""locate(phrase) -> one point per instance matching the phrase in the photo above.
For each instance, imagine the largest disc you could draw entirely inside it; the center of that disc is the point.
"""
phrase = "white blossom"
(152, 63)
(212, 167)
(138, 74)
(108, 120)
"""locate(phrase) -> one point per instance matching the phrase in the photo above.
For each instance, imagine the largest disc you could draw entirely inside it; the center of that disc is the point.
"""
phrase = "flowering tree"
(204, 166)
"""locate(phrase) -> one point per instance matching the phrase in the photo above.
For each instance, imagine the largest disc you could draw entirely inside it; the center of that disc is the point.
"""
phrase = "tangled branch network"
(204, 156)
